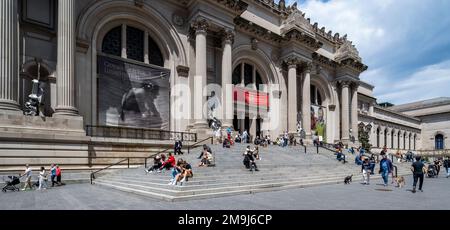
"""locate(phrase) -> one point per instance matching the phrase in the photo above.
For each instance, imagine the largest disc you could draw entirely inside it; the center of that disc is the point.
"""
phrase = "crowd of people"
(41, 183)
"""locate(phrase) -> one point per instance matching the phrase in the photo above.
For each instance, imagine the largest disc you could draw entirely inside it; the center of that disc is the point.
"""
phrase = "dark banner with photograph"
(132, 95)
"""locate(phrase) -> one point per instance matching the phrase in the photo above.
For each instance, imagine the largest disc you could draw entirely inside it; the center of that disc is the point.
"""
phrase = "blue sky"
(405, 43)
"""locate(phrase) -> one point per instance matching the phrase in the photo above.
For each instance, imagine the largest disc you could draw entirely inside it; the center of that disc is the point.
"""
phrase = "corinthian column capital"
(200, 25)
(227, 36)
(292, 61)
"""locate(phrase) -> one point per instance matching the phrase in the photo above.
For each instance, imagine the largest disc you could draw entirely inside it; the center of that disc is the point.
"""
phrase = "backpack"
(385, 165)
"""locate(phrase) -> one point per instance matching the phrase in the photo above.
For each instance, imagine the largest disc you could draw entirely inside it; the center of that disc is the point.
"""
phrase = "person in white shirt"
(28, 172)
(42, 179)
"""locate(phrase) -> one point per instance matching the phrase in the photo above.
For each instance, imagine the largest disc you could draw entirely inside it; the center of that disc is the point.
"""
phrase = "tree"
(363, 136)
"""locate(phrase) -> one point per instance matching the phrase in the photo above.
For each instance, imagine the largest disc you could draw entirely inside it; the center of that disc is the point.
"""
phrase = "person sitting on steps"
(186, 172)
(157, 163)
(170, 163)
(206, 160)
(176, 170)
(255, 152)
(249, 161)
(205, 148)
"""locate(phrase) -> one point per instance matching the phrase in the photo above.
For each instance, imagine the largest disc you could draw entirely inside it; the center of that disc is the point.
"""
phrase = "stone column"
(65, 80)
(354, 112)
(252, 127)
(292, 95)
(345, 110)
(9, 77)
(200, 26)
(227, 86)
(306, 102)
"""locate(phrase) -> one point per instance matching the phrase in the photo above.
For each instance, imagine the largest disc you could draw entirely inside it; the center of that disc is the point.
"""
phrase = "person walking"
(28, 173)
(447, 166)
(385, 169)
(366, 169)
(53, 174)
(418, 169)
(42, 179)
(58, 176)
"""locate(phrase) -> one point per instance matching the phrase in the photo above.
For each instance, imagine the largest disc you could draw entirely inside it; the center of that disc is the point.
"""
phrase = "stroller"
(11, 183)
(432, 171)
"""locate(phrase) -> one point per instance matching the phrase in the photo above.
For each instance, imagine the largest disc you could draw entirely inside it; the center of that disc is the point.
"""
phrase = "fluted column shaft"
(306, 103)
(65, 81)
(8, 56)
(354, 112)
(345, 111)
(292, 100)
(227, 87)
(200, 73)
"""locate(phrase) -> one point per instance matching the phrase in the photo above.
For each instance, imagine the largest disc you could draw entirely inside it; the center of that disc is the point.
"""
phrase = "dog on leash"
(400, 181)
(348, 179)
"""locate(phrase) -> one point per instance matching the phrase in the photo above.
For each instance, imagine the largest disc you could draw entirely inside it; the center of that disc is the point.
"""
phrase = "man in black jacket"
(417, 169)
(447, 166)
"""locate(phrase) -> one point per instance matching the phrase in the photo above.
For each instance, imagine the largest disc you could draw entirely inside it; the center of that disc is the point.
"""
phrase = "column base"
(65, 111)
(200, 125)
(9, 106)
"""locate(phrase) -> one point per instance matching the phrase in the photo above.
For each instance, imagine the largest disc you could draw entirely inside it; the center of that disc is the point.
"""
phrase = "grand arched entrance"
(133, 85)
(251, 101)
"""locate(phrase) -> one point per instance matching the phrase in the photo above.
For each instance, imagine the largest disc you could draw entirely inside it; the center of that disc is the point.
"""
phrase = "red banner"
(251, 97)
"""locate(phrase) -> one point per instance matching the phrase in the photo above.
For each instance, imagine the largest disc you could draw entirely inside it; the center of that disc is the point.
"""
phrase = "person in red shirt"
(58, 175)
(170, 163)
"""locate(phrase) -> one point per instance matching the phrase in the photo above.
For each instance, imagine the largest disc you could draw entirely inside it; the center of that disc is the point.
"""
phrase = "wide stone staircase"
(280, 168)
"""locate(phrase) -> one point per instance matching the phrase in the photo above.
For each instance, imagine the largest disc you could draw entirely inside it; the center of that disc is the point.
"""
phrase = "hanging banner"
(318, 124)
(132, 95)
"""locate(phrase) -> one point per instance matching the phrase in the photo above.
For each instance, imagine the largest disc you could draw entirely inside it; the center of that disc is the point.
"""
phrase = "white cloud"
(428, 82)
(395, 38)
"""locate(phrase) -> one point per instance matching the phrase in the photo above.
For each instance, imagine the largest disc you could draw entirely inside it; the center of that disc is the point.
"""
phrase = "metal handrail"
(395, 170)
(325, 146)
(197, 143)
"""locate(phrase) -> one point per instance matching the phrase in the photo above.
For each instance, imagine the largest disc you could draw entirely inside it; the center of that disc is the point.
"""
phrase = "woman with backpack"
(385, 169)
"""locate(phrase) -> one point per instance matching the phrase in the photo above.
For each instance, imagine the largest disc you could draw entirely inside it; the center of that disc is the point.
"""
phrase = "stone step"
(222, 183)
(205, 190)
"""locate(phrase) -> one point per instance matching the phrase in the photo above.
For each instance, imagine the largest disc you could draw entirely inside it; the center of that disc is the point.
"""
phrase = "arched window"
(439, 141)
(378, 137)
(112, 44)
(316, 97)
(247, 75)
(385, 137)
(392, 139)
(415, 141)
(409, 141)
(404, 141)
(398, 140)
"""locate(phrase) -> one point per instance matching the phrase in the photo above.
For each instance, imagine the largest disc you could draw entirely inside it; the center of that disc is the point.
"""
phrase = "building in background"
(123, 62)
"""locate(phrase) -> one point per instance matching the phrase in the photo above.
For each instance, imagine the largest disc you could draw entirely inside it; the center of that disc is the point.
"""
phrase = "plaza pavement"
(327, 197)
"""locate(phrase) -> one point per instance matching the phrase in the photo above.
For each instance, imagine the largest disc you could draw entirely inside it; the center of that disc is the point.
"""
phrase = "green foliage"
(363, 137)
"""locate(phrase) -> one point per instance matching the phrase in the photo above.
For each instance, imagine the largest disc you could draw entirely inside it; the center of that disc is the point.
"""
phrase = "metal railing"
(395, 170)
(138, 133)
(434, 152)
(330, 147)
(198, 144)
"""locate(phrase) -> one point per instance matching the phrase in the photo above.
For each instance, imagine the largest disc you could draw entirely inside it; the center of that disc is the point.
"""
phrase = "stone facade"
(202, 43)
